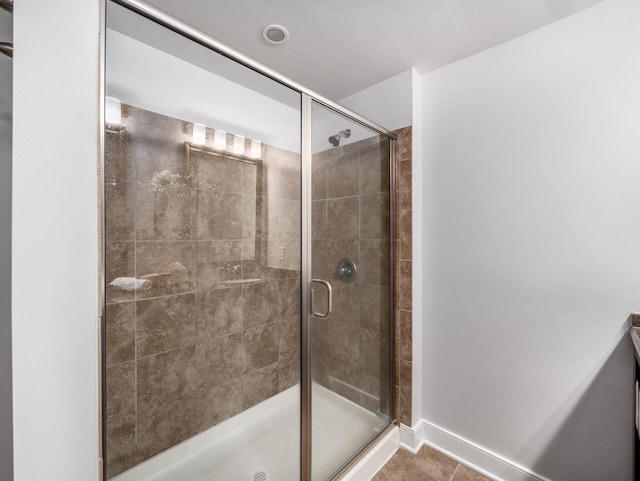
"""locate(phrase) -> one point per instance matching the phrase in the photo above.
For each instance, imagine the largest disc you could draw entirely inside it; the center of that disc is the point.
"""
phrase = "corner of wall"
(417, 202)
(6, 408)
(388, 103)
(55, 240)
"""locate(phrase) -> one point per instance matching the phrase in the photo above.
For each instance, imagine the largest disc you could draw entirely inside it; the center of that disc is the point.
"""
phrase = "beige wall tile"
(403, 199)
(219, 215)
(249, 213)
(165, 427)
(218, 261)
(121, 447)
(374, 171)
(218, 403)
(261, 346)
(158, 144)
(374, 262)
(374, 307)
(120, 332)
(165, 324)
(260, 384)
(219, 360)
(320, 175)
(404, 286)
(120, 262)
(218, 313)
(406, 233)
(374, 216)
(258, 303)
(343, 218)
(404, 143)
(343, 176)
(169, 265)
(119, 211)
(289, 297)
(404, 323)
(404, 174)
(165, 379)
(117, 164)
(121, 393)
(218, 173)
(164, 212)
(250, 184)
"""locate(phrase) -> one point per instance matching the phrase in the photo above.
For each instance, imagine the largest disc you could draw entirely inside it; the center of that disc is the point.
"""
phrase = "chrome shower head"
(7, 5)
(334, 140)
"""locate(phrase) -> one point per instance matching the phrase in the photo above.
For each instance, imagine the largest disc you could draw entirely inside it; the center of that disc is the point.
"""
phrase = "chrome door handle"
(329, 299)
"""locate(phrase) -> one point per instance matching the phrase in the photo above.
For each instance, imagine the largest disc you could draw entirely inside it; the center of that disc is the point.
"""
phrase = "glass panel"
(351, 251)
(202, 235)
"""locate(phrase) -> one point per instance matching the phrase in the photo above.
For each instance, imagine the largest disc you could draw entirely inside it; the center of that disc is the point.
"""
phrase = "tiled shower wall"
(403, 256)
(351, 220)
(200, 345)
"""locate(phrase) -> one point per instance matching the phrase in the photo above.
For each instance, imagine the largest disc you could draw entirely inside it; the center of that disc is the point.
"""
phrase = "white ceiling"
(338, 47)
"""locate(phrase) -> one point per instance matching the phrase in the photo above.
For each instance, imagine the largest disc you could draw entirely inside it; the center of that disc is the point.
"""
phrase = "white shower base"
(267, 438)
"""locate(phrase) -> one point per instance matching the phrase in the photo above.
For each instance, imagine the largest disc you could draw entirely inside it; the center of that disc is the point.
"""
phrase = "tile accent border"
(476, 457)
(403, 271)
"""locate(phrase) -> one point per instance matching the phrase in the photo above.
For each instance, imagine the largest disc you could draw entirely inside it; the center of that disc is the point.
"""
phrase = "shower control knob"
(347, 270)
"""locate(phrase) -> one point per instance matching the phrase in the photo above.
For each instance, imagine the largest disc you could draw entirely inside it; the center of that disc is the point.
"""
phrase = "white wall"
(531, 216)
(149, 78)
(388, 103)
(417, 254)
(55, 250)
(6, 72)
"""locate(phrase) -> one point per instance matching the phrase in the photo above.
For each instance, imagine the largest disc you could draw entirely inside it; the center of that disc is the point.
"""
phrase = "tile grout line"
(454, 472)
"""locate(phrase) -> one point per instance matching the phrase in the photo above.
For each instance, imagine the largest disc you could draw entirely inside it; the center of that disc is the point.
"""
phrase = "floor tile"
(398, 469)
(431, 462)
(465, 474)
(428, 465)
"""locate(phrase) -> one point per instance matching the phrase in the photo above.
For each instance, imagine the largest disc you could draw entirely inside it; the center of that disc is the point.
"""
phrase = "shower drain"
(259, 475)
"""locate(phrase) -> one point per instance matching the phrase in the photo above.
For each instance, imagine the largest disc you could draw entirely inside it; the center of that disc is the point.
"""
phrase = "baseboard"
(377, 457)
(411, 438)
(482, 460)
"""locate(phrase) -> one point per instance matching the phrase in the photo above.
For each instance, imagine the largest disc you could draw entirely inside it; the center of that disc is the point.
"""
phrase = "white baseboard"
(368, 466)
(482, 460)
(411, 439)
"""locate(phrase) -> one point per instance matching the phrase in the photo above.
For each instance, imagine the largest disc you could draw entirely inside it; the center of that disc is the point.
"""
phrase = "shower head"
(335, 139)
(6, 48)
(7, 5)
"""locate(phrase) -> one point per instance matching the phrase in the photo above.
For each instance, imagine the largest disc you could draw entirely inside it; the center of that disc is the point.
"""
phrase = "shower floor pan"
(265, 439)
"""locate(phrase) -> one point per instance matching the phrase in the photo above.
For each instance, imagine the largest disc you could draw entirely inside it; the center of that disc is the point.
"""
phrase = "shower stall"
(248, 265)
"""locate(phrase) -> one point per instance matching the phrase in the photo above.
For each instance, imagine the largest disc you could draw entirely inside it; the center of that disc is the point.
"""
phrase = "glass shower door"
(202, 262)
(350, 289)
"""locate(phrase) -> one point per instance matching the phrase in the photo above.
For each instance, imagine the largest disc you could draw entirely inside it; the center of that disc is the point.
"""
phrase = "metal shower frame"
(308, 98)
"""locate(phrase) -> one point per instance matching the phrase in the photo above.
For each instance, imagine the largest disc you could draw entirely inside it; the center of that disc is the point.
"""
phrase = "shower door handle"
(329, 299)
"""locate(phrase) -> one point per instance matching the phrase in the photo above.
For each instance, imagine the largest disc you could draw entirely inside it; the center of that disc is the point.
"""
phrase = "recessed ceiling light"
(275, 34)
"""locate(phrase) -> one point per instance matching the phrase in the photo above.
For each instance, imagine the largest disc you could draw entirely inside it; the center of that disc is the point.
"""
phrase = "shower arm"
(6, 48)
(7, 5)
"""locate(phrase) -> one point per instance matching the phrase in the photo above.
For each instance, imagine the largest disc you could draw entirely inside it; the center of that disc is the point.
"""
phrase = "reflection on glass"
(350, 348)
(202, 263)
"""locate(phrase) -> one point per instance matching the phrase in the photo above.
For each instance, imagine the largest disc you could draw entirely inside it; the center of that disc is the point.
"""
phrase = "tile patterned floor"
(427, 465)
